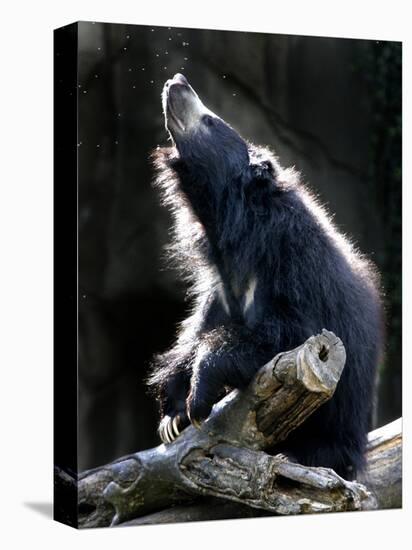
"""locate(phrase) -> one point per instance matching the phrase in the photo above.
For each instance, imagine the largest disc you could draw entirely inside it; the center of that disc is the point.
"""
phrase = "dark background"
(330, 107)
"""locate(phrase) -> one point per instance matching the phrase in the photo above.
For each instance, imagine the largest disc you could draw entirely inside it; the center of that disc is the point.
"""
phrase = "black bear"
(267, 269)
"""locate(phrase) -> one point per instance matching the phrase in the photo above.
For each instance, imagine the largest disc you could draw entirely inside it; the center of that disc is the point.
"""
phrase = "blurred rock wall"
(309, 99)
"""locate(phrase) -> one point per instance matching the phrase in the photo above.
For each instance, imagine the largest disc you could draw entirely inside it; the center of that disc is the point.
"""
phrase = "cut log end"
(320, 363)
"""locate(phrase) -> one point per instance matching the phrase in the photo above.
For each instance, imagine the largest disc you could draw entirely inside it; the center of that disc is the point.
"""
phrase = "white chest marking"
(220, 289)
(250, 293)
(222, 296)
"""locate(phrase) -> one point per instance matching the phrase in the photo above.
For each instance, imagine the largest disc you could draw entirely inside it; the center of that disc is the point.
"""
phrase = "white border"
(26, 270)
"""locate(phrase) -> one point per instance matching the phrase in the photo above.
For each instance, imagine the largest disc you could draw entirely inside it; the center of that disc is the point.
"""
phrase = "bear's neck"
(227, 226)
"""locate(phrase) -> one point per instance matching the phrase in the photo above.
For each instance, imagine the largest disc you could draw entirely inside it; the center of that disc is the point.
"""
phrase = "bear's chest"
(239, 301)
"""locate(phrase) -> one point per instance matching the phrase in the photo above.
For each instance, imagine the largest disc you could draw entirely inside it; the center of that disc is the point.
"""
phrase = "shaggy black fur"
(242, 222)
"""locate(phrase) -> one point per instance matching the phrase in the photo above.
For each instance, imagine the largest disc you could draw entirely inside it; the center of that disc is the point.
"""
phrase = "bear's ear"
(262, 170)
(260, 186)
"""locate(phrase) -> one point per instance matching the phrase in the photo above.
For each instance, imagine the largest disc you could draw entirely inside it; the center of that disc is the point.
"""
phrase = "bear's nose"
(180, 78)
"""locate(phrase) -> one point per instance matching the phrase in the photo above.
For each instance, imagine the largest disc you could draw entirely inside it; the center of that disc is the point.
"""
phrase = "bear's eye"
(207, 120)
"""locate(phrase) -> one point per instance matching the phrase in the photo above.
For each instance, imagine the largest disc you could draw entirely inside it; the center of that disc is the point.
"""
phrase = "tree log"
(225, 458)
(383, 473)
(204, 509)
(383, 478)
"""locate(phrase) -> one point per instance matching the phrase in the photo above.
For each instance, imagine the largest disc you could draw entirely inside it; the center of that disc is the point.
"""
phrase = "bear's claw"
(169, 429)
(196, 423)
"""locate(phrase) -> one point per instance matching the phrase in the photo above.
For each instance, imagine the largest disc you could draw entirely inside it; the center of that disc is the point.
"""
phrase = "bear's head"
(204, 141)
(211, 160)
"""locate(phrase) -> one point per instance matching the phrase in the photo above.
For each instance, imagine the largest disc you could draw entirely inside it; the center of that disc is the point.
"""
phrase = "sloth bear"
(267, 269)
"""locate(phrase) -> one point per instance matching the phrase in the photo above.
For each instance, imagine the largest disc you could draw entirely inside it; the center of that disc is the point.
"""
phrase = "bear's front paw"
(170, 428)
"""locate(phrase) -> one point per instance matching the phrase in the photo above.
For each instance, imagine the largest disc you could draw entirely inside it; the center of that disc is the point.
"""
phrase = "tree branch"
(225, 458)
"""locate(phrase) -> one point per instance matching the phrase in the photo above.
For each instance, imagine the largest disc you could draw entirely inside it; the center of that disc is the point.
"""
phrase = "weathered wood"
(383, 474)
(224, 458)
(271, 483)
(385, 483)
(204, 509)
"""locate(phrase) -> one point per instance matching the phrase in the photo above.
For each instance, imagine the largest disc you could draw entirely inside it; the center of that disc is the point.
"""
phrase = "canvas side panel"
(65, 274)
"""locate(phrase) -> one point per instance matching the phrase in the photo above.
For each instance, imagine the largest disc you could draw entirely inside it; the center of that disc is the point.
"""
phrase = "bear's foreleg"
(225, 359)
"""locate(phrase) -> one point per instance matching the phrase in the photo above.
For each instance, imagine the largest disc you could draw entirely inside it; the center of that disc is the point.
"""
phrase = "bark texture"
(383, 475)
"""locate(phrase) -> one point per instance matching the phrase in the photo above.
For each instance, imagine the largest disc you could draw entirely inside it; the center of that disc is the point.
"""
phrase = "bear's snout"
(182, 107)
(178, 79)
